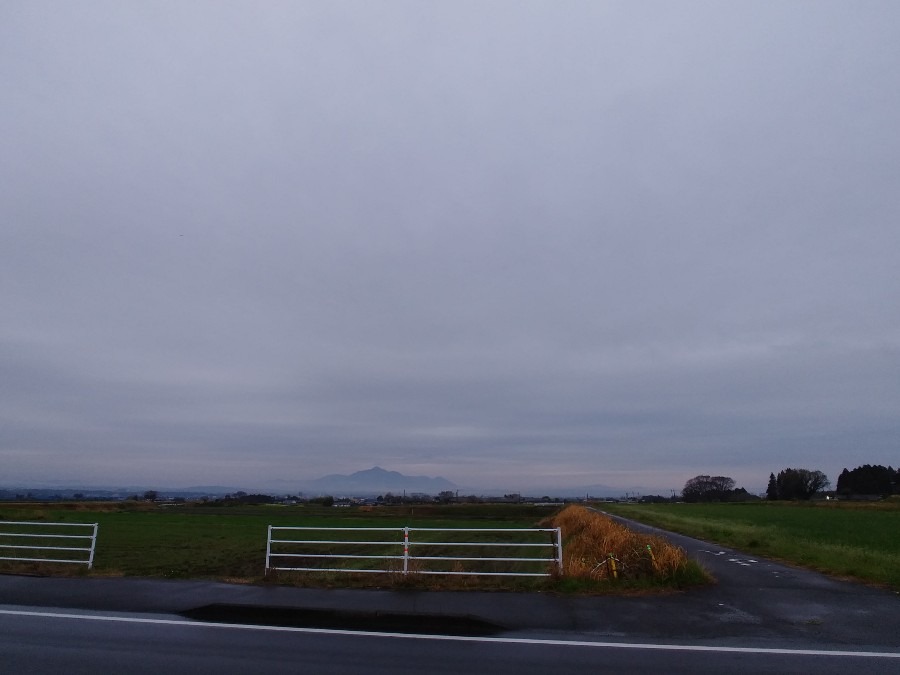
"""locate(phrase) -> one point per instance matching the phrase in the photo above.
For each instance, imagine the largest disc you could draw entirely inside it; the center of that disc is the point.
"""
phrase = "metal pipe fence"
(415, 550)
(22, 541)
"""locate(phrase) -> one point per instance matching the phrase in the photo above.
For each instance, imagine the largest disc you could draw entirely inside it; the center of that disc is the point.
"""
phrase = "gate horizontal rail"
(282, 551)
(22, 536)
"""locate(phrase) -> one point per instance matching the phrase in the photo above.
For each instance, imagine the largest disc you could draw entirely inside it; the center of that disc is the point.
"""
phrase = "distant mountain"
(376, 481)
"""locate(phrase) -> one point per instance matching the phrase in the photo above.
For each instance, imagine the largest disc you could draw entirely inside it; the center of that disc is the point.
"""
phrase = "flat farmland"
(847, 539)
(229, 544)
(187, 541)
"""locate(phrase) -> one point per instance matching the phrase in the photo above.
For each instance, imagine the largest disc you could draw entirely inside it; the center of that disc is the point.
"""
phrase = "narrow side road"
(757, 596)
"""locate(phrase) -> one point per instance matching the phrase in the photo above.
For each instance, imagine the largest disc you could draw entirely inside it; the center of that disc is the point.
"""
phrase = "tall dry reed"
(597, 547)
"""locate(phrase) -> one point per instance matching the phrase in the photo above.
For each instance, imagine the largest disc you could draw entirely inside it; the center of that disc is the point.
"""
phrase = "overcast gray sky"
(515, 244)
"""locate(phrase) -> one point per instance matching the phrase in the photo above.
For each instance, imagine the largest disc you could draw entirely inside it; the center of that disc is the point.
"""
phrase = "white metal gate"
(48, 542)
(314, 545)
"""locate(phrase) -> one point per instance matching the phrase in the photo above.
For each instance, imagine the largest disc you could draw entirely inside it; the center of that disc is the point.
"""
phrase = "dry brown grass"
(591, 539)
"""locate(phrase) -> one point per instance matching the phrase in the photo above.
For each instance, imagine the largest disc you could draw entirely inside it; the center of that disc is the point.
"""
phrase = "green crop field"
(857, 540)
(229, 544)
(187, 541)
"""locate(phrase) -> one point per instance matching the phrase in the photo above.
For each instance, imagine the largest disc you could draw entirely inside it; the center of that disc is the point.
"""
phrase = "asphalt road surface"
(52, 642)
(760, 617)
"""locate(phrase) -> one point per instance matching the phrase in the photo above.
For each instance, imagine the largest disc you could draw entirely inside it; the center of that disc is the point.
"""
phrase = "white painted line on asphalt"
(455, 638)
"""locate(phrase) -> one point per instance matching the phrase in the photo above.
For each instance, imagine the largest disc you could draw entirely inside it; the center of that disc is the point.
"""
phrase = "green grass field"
(229, 542)
(856, 540)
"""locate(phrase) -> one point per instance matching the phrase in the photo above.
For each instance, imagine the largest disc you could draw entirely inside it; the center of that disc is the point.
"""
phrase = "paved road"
(758, 597)
(51, 642)
(760, 617)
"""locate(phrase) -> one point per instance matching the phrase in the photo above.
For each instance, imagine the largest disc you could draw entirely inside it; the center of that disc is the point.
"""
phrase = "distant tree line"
(796, 484)
(869, 480)
(789, 484)
(713, 489)
(241, 498)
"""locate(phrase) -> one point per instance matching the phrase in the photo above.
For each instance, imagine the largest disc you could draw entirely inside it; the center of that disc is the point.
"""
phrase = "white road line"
(454, 638)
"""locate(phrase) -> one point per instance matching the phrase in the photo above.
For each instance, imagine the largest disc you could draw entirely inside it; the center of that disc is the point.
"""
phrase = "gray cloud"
(509, 243)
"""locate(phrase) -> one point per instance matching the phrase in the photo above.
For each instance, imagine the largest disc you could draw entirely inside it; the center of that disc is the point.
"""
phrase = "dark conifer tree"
(772, 489)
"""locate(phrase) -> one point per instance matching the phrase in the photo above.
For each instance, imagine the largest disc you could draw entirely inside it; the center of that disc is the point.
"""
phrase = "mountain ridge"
(377, 480)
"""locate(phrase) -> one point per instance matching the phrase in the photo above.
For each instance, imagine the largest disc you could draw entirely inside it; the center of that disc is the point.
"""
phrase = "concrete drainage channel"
(380, 622)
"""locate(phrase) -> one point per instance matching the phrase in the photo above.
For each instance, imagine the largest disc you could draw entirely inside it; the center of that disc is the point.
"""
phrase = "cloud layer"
(514, 244)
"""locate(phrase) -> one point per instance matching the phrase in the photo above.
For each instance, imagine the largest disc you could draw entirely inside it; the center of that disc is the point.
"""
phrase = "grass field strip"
(457, 638)
(399, 550)
(41, 536)
(856, 540)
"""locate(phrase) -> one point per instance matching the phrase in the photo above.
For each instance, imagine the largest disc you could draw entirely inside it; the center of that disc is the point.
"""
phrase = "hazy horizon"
(293, 485)
(511, 243)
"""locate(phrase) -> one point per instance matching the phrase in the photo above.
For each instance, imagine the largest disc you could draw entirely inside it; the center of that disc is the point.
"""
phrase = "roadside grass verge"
(228, 544)
(600, 554)
(845, 539)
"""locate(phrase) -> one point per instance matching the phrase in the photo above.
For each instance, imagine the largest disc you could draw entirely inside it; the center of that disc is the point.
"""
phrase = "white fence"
(322, 549)
(48, 542)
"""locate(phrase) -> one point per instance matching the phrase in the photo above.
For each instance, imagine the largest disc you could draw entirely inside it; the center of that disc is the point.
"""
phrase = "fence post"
(93, 546)
(559, 558)
(612, 566)
(268, 549)
(405, 550)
